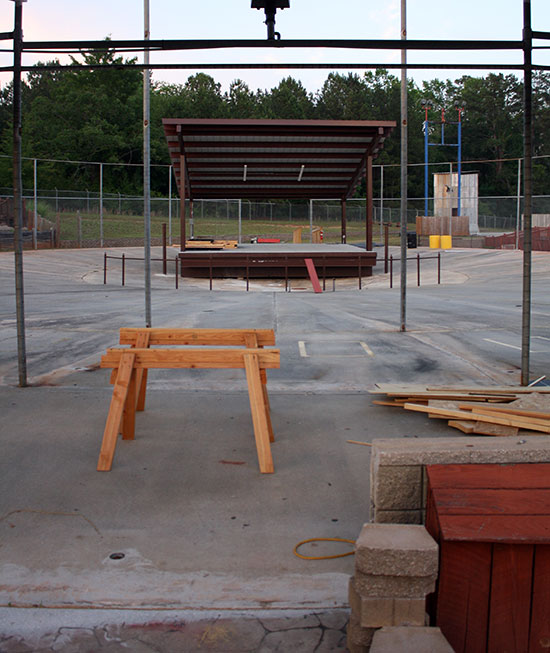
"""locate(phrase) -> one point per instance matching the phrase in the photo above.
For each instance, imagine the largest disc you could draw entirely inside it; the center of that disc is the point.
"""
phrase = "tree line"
(96, 115)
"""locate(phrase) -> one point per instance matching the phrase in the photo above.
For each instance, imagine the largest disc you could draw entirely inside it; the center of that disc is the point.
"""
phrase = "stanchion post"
(164, 261)
(391, 271)
(386, 245)
(104, 268)
(417, 269)
(176, 268)
(438, 267)
(123, 269)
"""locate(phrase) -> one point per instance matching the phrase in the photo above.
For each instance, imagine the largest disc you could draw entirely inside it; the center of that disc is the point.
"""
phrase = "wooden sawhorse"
(130, 366)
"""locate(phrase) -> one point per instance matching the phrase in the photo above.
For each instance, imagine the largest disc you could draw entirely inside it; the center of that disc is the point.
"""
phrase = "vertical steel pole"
(381, 199)
(527, 189)
(518, 204)
(240, 221)
(147, 169)
(343, 236)
(35, 224)
(100, 204)
(170, 205)
(404, 163)
(18, 194)
(426, 157)
(310, 221)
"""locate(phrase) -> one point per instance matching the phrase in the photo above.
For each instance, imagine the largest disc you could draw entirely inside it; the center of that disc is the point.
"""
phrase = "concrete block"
(358, 635)
(397, 516)
(405, 640)
(373, 612)
(356, 648)
(409, 612)
(412, 587)
(396, 550)
(398, 488)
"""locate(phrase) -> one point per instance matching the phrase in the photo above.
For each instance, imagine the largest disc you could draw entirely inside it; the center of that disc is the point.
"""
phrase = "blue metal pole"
(426, 148)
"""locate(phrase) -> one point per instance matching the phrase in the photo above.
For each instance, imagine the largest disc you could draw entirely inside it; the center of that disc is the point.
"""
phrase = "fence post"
(417, 269)
(176, 268)
(438, 267)
(104, 268)
(391, 271)
(123, 269)
(79, 221)
(57, 230)
(164, 261)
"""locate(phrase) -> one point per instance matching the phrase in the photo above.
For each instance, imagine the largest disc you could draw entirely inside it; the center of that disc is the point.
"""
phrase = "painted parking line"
(302, 348)
(505, 344)
(367, 349)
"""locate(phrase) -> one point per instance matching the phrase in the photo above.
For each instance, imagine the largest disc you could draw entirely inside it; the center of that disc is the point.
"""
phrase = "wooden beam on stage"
(369, 217)
(344, 236)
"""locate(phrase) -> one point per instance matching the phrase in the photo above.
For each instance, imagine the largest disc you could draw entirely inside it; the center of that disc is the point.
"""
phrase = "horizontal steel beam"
(280, 66)
(209, 44)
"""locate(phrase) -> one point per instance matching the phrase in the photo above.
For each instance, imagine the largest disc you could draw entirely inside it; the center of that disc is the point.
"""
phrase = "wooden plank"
(251, 342)
(129, 411)
(142, 341)
(460, 414)
(192, 358)
(510, 603)
(519, 475)
(177, 336)
(463, 595)
(487, 501)
(120, 392)
(527, 422)
(399, 404)
(508, 410)
(486, 428)
(462, 425)
(523, 529)
(258, 410)
(539, 640)
(312, 272)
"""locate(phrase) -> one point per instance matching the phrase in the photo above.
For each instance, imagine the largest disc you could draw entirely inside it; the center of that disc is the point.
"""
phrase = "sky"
(306, 19)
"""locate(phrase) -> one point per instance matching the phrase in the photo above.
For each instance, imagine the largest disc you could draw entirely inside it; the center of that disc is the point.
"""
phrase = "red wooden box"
(492, 523)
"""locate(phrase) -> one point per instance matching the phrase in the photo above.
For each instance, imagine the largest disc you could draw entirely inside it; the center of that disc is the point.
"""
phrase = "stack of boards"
(476, 409)
(207, 243)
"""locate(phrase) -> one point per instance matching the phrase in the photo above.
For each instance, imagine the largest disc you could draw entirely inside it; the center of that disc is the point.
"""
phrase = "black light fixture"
(270, 7)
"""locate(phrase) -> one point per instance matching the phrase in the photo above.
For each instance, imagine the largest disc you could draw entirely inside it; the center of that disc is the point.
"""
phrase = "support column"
(344, 235)
(191, 219)
(369, 216)
(182, 203)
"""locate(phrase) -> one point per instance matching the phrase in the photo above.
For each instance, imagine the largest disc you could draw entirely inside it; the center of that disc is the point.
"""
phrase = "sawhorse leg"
(251, 342)
(259, 412)
(118, 404)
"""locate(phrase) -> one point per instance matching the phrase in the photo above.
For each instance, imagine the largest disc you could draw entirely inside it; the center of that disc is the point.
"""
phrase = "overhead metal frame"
(525, 45)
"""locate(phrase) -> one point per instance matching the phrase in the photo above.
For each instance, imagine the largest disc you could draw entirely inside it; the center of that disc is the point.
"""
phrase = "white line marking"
(496, 342)
(542, 337)
(302, 348)
(367, 349)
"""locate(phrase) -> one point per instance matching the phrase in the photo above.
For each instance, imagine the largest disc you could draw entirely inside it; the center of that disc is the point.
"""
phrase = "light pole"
(404, 162)
(147, 169)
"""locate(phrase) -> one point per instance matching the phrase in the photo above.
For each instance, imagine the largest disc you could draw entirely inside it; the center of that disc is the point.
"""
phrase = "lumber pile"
(210, 243)
(494, 411)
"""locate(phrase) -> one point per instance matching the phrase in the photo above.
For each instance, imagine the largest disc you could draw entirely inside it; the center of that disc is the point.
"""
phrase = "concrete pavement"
(198, 526)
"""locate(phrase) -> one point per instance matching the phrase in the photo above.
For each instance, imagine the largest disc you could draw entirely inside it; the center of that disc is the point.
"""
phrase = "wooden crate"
(492, 523)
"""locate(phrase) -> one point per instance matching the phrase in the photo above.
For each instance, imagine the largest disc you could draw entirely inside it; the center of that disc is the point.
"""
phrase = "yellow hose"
(323, 539)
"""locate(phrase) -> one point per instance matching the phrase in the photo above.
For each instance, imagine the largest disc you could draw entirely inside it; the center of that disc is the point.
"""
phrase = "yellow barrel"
(434, 242)
(446, 242)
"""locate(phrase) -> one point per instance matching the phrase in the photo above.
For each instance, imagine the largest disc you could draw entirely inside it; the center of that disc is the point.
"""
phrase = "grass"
(131, 226)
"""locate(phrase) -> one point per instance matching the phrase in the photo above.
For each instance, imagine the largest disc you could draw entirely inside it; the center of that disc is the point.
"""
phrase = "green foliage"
(96, 115)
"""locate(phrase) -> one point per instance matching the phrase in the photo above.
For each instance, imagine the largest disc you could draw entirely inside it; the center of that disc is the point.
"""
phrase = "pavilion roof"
(268, 159)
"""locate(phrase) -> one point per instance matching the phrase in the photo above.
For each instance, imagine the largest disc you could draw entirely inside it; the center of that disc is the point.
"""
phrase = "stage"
(279, 261)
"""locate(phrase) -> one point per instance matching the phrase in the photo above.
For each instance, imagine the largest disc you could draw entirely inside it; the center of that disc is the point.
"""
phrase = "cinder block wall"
(398, 477)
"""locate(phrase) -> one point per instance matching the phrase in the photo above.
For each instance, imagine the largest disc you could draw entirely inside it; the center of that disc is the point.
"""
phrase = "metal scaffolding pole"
(404, 162)
(18, 194)
(147, 170)
(527, 190)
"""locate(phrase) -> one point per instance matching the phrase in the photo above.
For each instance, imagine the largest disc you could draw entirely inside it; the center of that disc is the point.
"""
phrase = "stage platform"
(278, 260)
